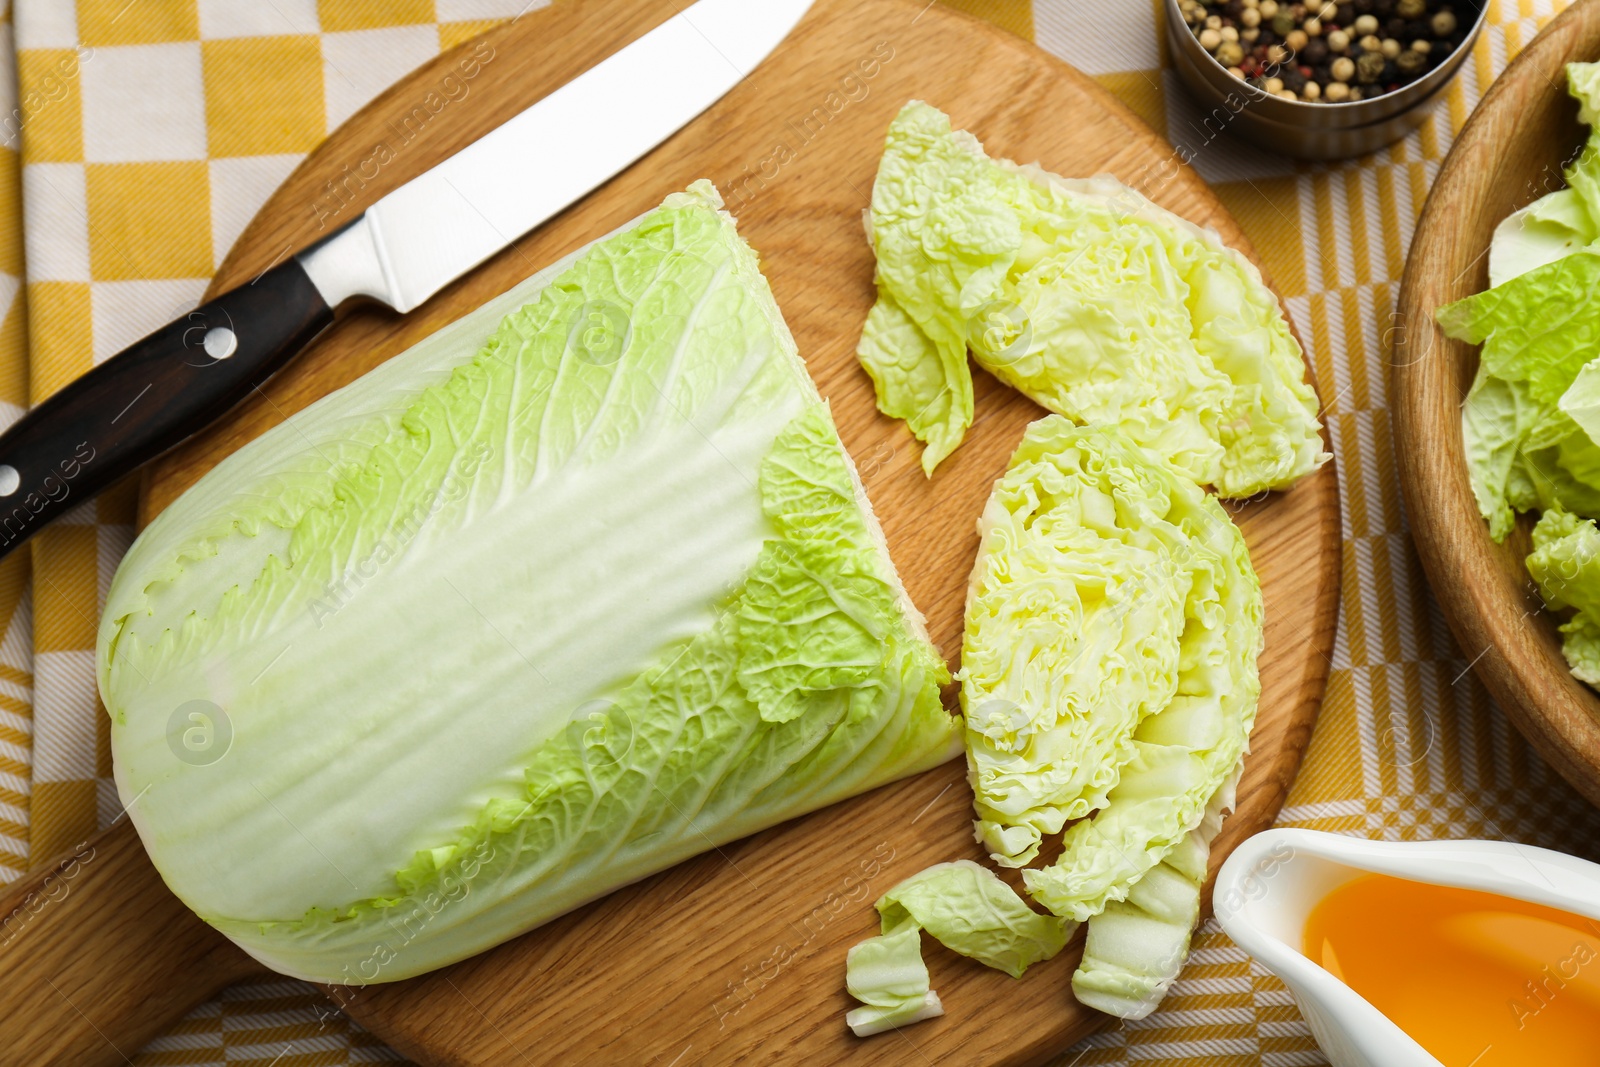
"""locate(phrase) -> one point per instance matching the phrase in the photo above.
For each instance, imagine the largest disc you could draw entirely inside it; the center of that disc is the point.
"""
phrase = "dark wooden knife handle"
(97, 957)
(150, 396)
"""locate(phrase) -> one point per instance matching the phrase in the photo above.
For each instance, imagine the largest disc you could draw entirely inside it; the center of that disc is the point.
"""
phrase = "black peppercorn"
(1410, 62)
(1383, 8)
(1293, 79)
(1361, 7)
(1315, 51)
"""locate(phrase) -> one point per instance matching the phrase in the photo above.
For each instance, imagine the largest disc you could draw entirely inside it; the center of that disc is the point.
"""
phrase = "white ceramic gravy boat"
(1268, 887)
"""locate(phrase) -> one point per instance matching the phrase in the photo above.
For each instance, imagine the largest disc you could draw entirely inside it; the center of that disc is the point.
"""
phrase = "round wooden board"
(739, 955)
(1509, 154)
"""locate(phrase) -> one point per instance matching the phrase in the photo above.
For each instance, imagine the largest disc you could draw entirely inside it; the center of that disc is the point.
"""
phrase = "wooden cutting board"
(737, 956)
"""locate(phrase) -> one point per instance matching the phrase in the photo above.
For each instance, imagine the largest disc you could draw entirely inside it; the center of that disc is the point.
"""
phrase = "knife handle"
(150, 396)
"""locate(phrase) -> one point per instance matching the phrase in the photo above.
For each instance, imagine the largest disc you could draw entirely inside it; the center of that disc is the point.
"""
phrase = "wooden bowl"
(1511, 152)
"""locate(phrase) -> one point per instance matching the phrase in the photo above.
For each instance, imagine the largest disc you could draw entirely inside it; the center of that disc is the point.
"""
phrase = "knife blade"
(400, 251)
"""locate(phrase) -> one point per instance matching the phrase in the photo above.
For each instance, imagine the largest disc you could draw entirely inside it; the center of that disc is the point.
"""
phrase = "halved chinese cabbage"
(578, 587)
(1084, 295)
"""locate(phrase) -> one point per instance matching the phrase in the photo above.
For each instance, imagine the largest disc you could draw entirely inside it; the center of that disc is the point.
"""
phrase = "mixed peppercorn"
(1326, 51)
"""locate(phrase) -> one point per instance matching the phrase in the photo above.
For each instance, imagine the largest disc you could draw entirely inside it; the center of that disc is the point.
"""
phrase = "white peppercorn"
(1269, 9)
(1311, 91)
(1273, 85)
(1210, 39)
(1366, 25)
(1236, 72)
(1411, 9)
(1425, 47)
(1296, 40)
(1250, 17)
(1336, 93)
(1229, 54)
(1312, 26)
(1213, 22)
(1342, 69)
(1444, 22)
(1288, 94)
(1229, 33)
(1355, 93)
(1338, 41)
(1371, 43)
(1389, 47)
(1249, 34)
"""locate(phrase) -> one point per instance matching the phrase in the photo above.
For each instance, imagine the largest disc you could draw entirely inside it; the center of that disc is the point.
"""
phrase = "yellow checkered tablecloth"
(149, 132)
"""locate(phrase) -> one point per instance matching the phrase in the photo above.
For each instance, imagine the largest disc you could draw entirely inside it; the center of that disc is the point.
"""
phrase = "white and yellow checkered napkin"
(151, 131)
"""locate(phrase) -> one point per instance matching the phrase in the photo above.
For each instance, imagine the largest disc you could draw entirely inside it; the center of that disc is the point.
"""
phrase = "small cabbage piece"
(1581, 401)
(1565, 563)
(1136, 947)
(1538, 331)
(1087, 297)
(887, 975)
(578, 587)
(1551, 227)
(968, 910)
(1539, 328)
(1567, 220)
(1583, 173)
(1112, 615)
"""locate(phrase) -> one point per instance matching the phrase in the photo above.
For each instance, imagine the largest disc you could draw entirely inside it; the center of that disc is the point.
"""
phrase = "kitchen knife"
(401, 251)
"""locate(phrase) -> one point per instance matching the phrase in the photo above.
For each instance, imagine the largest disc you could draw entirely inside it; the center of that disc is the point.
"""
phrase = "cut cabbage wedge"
(1109, 676)
(580, 586)
(1109, 659)
(1086, 296)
